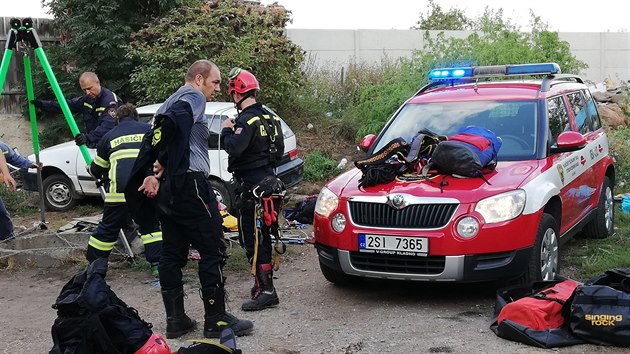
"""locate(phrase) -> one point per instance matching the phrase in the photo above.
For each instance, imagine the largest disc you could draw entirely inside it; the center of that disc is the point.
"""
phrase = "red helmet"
(241, 81)
(155, 345)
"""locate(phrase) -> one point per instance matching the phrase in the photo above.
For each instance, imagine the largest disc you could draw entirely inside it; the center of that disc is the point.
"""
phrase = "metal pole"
(35, 135)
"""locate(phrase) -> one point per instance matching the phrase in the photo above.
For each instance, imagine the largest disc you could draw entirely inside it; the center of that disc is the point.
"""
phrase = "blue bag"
(471, 152)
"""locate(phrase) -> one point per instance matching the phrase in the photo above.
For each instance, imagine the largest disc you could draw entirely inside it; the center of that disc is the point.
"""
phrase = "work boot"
(177, 322)
(265, 295)
(217, 319)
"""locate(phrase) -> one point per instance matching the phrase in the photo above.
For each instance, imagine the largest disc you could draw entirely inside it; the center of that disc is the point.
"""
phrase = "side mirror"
(367, 142)
(568, 141)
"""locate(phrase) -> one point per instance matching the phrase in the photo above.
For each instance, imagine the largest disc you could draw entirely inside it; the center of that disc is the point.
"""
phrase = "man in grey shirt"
(187, 204)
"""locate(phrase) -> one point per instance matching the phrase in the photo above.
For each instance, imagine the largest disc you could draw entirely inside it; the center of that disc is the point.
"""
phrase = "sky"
(560, 15)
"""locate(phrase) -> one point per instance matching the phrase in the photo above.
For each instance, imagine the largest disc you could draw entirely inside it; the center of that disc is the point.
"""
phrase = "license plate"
(397, 245)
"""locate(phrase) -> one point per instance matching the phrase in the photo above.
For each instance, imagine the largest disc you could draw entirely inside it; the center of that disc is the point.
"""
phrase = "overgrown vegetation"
(229, 32)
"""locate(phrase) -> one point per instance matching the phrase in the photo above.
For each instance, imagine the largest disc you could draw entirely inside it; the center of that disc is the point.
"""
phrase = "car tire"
(602, 225)
(58, 193)
(223, 194)
(337, 277)
(544, 263)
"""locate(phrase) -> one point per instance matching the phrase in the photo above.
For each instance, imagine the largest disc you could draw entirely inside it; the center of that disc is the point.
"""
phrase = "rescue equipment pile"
(471, 152)
(561, 313)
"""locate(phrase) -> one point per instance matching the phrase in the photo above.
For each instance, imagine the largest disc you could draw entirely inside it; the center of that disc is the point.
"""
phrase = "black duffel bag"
(600, 311)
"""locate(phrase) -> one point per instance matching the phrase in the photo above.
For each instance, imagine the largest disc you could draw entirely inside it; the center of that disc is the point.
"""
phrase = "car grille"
(415, 216)
(398, 264)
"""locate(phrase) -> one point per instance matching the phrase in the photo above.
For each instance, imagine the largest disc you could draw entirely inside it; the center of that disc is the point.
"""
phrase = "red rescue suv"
(554, 179)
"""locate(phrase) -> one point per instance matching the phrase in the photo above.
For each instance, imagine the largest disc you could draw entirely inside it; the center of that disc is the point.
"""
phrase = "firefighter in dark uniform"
(177, 151)
(253, 142)
(116, 154)
(98, 107)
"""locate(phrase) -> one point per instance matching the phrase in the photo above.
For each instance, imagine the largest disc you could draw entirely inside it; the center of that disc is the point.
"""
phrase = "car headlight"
(502, 207)
(468, 227)
(327, 202)
(338, 222)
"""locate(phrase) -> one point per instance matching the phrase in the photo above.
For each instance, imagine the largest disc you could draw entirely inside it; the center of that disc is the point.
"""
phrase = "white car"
(65, 178)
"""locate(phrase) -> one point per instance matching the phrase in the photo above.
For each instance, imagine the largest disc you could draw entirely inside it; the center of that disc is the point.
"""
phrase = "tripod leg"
(4, 67)
(35, 135)
(62, 101)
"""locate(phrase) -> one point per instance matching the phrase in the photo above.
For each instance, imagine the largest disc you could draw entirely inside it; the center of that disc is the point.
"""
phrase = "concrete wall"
(607, 54)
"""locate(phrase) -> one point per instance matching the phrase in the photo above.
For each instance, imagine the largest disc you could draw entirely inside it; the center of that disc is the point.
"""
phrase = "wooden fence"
(13, 90)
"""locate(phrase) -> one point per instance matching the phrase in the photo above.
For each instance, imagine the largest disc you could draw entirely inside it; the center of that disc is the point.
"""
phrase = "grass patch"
(591, 257)
(319, 167)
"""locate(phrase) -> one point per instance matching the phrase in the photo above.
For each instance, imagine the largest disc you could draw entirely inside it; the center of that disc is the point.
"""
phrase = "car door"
(567, 163)
(580, 194)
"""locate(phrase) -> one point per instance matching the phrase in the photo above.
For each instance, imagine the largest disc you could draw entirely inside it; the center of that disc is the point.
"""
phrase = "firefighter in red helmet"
(255, 143)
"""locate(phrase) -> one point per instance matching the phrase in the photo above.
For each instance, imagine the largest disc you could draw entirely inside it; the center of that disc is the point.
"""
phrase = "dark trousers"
(6, 225)
(191, 217)
(115, 217)
(246, 212)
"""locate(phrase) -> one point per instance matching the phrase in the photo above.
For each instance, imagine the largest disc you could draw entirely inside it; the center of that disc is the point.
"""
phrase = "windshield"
(513, 121)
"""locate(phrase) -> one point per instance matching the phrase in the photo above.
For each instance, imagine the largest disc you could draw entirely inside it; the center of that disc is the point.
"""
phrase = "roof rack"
(549, 80)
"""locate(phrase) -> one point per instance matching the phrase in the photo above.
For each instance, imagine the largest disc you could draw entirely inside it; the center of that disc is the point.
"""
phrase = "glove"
(80, 139)
(37, 103)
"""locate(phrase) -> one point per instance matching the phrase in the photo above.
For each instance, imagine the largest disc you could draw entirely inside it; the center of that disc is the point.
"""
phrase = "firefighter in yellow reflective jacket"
(116, 154)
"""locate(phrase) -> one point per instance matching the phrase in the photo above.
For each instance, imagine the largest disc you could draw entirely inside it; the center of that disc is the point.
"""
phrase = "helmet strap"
(246, 95)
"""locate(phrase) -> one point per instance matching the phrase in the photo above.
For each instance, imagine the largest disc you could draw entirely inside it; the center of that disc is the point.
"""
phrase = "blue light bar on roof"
(494, 71)
(450, 73)
(533, 69)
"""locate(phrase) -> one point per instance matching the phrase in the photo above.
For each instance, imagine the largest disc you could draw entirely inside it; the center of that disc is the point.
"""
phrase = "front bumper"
(291, 173)
(462, 268)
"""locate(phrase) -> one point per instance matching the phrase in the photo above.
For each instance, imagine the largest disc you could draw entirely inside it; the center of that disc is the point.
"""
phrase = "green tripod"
(24, 35)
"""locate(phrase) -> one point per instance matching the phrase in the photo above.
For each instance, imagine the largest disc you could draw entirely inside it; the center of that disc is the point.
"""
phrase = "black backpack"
(91, 319)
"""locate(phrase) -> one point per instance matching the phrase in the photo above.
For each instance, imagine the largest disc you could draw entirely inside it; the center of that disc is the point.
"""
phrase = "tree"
(94, 36)
(436, 19)
(230, 33)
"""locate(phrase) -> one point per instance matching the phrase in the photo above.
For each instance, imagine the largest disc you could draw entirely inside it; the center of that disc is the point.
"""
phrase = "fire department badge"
(112, 112)
(238, 130)
(560, 172)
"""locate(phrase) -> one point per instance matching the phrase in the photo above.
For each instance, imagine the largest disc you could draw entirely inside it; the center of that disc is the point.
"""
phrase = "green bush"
(94, 37)
(318, 167)
(230, 33)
